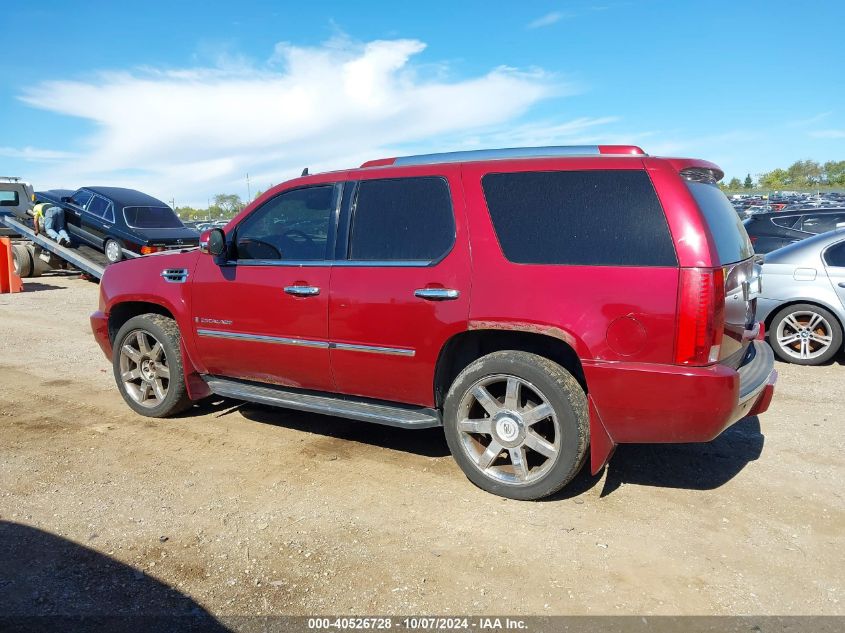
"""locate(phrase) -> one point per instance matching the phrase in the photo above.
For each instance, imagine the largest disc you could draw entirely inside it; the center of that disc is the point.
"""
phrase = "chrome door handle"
(842, 284)
(437, 294)
(302, 291)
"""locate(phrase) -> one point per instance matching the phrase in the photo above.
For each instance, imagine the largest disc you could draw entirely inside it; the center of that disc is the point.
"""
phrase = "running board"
(379, 412)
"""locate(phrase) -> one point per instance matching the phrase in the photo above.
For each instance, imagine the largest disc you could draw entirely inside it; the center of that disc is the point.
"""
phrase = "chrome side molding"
(378, 412)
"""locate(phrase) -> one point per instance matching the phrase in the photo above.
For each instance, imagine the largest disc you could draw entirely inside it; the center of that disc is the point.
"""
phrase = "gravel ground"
(237, 509)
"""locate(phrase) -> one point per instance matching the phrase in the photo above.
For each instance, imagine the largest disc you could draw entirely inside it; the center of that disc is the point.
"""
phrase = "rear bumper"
(100, 327)
(644, 403)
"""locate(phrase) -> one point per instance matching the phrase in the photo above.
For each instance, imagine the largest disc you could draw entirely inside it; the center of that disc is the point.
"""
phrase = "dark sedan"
(120, 221)
(770, 231)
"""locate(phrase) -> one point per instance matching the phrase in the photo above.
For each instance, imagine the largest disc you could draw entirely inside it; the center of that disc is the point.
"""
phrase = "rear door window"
(587, 218)
(732, 243)
(402, 219)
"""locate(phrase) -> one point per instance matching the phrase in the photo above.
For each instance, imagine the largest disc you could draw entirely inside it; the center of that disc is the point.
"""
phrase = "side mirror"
(213, 242)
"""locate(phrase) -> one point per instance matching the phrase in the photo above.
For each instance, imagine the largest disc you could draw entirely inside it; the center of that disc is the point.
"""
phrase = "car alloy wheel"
(508, 429)
(144, 369)
(804, 335)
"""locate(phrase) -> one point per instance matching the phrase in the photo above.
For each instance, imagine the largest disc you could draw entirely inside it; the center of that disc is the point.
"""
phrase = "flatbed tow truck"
(29, 252)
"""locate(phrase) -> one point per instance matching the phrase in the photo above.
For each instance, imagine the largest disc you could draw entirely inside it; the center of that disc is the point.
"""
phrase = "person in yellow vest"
(51, 219)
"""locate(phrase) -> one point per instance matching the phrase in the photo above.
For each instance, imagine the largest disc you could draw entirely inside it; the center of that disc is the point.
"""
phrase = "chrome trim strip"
(498, 154)
(373, 349)
(300, 342)
(262, 338)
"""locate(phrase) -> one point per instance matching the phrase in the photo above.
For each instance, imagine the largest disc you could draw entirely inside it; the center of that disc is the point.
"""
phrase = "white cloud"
(196, 131)
(34, 154)
(547, 20)
(828, 134)
(810, 121)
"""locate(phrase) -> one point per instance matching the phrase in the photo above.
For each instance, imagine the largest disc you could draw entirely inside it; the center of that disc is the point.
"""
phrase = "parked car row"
(748, 205)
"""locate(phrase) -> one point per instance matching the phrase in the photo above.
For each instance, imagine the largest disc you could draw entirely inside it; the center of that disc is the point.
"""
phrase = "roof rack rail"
(550, 151)
(11, 178)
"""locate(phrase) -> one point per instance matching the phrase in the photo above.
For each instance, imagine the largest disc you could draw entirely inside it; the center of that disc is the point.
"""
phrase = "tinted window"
(820, 223)
(787, 222)
(80, 198)
(732, 243)
(98, 206)
(835, 255)
(406, 219)
(595, 218)
(9, 199)
(292, 226)
(151, 218)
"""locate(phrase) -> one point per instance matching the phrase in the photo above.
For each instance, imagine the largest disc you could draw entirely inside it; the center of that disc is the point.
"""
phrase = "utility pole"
(248, 192)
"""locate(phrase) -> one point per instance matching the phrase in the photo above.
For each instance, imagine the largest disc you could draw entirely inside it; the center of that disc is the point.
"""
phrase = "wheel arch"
(120, 313)
(469, 345)
(793, 302)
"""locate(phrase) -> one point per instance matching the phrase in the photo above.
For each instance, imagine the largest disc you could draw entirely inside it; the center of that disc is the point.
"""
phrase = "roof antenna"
(305, 172)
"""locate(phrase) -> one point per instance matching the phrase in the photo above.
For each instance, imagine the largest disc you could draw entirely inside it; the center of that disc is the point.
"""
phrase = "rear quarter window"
(587, 218)
(732, 243)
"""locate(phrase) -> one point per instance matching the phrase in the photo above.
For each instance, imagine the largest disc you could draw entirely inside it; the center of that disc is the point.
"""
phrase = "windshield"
(732, 243)
(152, 218)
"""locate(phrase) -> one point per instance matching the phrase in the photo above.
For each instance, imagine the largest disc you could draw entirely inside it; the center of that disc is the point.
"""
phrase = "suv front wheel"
(147, 362)
(517, 424)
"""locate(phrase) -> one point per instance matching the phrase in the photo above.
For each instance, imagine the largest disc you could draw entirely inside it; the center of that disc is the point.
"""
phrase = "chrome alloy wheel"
(804, 335)
(508, 429)
(143, 368)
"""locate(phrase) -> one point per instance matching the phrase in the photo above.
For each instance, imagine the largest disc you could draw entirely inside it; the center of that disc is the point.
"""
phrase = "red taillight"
(701, 316)
(753, 239)
(146, 250)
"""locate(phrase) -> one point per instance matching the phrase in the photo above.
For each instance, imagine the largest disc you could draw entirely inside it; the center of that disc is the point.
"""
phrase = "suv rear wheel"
(147, 363)
(517, 424)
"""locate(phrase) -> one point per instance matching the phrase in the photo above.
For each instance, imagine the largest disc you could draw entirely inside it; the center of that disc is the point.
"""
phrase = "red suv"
(534, 302)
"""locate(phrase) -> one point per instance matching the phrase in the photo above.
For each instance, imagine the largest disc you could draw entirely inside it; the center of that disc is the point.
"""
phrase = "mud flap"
(601, 444)
(194, 384)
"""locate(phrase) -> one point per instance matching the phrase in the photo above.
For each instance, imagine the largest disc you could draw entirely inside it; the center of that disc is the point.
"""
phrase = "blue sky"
(183, 99)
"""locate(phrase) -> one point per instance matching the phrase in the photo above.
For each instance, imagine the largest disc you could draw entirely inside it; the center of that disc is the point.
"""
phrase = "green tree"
(228, 203)
(734, 184)
(775, 179)
(748, 184)
(834, 173)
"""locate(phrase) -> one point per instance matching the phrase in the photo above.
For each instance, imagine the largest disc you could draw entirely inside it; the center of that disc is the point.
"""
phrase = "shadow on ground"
(50, 583)
(35, 286)
(690, 466)
(703, 466)
(424, 442)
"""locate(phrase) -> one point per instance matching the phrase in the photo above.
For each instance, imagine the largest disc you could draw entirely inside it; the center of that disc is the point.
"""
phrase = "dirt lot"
(246, 510)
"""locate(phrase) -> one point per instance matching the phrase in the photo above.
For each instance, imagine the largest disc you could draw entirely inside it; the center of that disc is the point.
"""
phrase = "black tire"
(547, 381)
(22, 261)
(165, 331)
(113, 251)
(802, 314)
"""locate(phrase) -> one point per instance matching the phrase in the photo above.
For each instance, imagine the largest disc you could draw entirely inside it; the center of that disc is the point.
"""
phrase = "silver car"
(803, 298)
